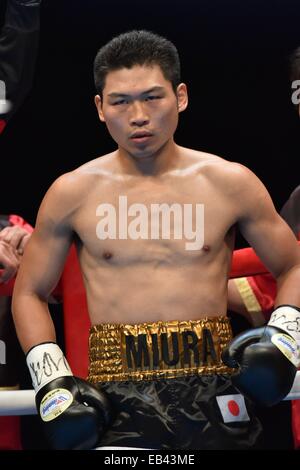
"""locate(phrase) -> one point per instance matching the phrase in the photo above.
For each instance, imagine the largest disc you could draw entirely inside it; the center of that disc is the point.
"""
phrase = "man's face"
(140, 109)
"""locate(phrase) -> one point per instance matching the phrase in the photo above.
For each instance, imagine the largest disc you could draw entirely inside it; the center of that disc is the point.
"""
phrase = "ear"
(98, 103)
(182, 97)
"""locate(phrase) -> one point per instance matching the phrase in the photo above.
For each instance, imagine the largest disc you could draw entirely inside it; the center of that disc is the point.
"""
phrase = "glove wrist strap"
(46, 362)
(287, 318)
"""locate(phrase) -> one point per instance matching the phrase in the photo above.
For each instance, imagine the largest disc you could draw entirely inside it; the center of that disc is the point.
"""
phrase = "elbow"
(24, 297)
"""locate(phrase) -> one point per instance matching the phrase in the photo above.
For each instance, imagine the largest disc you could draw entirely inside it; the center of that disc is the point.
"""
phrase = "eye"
(116, 103)
(152, 97)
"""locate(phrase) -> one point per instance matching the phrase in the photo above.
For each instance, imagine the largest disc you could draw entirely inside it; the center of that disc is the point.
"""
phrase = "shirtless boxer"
(157, 300)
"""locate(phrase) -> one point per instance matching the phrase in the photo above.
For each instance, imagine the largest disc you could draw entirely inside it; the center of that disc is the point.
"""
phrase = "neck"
(163, 160)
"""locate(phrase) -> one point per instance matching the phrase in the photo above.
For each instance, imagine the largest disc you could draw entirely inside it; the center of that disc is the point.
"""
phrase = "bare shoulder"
(78, 182)
(224, 173)
(238, 176)
(104, 167)
(69, 191)
(97, 166)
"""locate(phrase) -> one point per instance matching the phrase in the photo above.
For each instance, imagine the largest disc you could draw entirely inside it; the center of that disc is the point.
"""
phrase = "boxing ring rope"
(22, 402)
(17, 403)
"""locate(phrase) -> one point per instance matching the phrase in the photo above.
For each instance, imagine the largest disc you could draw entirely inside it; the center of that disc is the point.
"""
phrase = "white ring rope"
(22, 402)
(17, 402)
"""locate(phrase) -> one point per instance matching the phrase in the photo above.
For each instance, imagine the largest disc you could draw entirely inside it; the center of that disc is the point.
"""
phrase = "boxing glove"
(267, 358)
(74, 414)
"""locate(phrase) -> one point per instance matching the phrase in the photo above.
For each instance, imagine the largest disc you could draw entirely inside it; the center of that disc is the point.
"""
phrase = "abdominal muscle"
(150, 292)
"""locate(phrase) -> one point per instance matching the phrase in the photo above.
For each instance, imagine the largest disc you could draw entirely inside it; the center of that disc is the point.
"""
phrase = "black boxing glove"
(74, 413)
(267, 357)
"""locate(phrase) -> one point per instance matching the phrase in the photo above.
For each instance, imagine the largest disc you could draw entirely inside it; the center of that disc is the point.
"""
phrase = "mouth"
(141, 136)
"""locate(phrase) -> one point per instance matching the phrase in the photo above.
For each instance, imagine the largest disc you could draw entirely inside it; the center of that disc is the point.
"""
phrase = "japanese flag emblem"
(233, 408)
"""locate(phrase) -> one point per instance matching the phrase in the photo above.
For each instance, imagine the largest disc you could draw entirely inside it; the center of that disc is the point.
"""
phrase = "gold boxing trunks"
(164, 349)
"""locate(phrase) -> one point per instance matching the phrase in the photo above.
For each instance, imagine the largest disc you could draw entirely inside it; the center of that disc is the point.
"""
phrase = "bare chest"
(154, 221)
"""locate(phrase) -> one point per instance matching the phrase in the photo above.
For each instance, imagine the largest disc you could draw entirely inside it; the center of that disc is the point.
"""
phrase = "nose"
(139, 116)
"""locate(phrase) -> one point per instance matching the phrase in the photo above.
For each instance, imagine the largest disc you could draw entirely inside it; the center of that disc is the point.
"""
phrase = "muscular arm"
(42, 265)
(270, 236)
(267, 358)
(263, 297)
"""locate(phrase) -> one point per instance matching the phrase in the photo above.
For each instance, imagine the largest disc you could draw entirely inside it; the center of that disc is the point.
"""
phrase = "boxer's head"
(137, 48)
(137, 77)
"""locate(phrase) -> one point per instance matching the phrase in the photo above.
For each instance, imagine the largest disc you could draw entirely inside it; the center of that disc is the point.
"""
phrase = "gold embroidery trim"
(112, 360)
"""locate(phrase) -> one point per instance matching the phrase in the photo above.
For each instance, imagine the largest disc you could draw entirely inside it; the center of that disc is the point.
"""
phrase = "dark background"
(234, 59)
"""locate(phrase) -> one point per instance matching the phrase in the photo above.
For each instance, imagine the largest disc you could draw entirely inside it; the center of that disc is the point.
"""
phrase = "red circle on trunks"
(233, 408)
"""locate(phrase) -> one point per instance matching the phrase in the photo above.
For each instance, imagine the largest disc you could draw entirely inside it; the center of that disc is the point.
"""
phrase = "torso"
(145, 280)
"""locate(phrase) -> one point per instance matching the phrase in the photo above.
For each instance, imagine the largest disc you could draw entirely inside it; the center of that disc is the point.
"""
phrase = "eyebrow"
(117, 95)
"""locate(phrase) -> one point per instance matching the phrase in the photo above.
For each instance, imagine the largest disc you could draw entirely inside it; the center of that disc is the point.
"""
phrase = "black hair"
(137, 48)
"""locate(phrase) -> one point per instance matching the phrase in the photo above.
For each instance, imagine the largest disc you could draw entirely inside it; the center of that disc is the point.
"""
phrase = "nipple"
(107, 255)
(206, 248)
